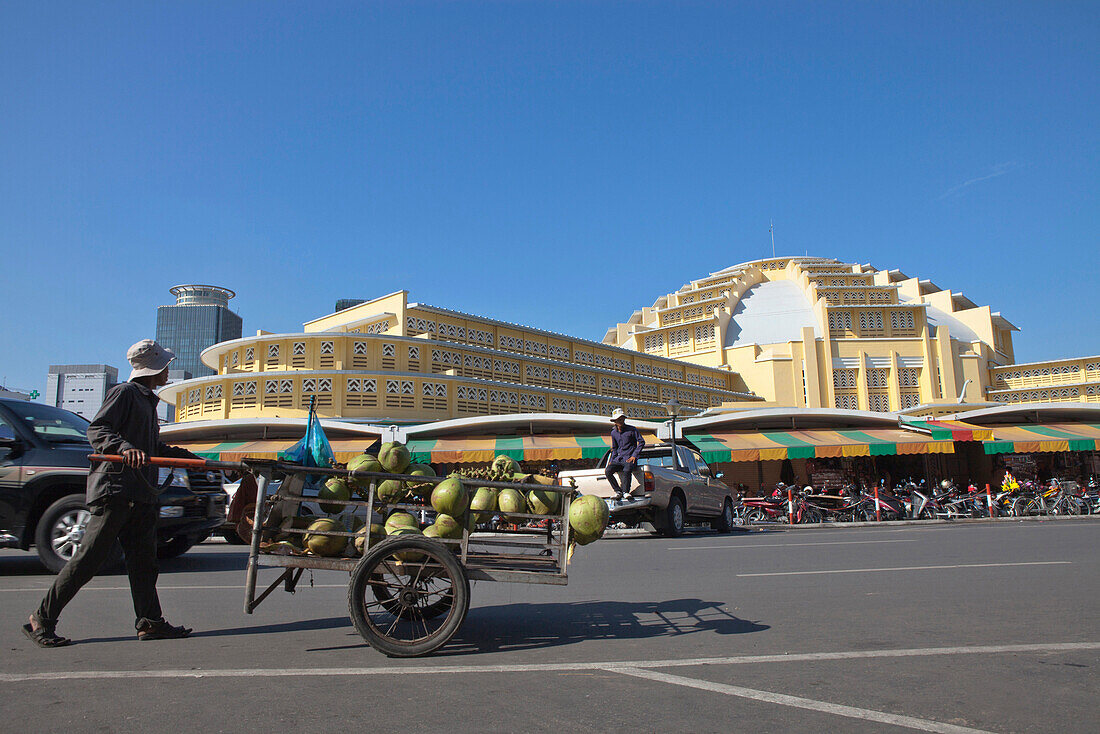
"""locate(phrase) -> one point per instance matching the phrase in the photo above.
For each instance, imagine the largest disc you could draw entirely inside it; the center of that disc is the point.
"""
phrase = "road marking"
(810, 704)
(907, 568)
(1053, 647)
(791, 545)
(238, 587)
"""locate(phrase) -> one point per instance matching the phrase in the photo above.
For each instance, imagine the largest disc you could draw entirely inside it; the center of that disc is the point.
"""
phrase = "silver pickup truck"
(667, 491)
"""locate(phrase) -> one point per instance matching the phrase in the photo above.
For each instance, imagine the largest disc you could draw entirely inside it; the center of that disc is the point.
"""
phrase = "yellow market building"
(814, 332)
(391, 361)
(798, 332)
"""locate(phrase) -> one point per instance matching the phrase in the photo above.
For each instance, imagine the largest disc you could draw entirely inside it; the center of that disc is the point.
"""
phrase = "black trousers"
(134, 526)
(616, 467)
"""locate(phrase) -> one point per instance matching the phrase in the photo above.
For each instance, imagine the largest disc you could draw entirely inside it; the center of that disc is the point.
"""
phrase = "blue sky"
(556, 164)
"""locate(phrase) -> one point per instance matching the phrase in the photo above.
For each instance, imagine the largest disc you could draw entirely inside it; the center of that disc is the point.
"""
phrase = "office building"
(79, 388)
(199, 319)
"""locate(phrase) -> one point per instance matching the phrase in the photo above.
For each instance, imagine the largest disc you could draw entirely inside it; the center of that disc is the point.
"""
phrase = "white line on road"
(907, 568)
(238, 587)
(791, 545)
(810, 704)
(1053, 647)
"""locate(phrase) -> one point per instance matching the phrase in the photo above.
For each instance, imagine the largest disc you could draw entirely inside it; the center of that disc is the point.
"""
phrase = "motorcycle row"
(914, 501)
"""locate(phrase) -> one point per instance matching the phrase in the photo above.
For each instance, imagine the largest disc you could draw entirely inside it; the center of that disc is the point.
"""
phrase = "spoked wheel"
(408, 596)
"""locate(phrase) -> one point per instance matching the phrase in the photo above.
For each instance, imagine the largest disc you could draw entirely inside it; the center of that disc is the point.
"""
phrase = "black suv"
(43, 474)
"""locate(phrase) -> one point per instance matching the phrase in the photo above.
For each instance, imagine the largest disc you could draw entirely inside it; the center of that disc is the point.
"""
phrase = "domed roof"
(770, 312)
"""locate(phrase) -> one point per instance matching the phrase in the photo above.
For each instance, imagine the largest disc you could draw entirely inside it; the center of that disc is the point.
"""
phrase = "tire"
(726, 520)
(811, 516)
(177, 546)
(232, 537)
(672, 524)
(756, 515)
(401, 624)
(60, 530)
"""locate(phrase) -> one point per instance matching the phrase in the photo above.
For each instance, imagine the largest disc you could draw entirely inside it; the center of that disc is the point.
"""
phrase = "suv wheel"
(60, 532)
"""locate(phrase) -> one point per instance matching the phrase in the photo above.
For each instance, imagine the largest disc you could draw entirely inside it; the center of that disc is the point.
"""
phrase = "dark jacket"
(127, 420)
(626, 444)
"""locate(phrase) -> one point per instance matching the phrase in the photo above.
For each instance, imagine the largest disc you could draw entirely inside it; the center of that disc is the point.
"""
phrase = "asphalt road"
(926, 628)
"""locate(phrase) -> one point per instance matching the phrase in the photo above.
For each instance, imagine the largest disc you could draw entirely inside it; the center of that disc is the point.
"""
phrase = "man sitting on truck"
(626, 447)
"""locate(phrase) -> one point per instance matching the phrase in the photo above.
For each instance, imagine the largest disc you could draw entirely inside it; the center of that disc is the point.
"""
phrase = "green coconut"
(588, 516)
(392, 491)
(448, 527)
(504, 464)
(407, 556)
(394, 457)
(420, 489)
(543, 501)
(400, 520)
(326, 545)
(483, 504)
(581, 539)
(334, 489)
(511, 502)
(450, 497)
(363, 462)
(376, 531)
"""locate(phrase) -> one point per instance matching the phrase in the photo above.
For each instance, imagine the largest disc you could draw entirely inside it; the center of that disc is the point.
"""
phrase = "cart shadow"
(513, 627)
(532, 626)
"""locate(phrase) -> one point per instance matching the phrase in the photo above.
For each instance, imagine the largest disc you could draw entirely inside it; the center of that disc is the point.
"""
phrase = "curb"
(772, 527)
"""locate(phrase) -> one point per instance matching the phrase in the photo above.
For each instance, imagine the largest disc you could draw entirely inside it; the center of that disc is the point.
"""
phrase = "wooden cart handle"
(154, 460)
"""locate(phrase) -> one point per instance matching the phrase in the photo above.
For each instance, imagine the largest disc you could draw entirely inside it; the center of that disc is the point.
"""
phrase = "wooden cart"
(407, 595)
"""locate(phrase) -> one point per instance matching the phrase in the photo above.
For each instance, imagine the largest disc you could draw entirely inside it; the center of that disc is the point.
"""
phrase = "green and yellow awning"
(343, 449)
(474, 449)
(951, 430)
(816, 444)
(1047, 437)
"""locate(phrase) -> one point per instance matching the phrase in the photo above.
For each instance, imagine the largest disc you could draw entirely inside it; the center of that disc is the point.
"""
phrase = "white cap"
(617, 414)
(148, 358)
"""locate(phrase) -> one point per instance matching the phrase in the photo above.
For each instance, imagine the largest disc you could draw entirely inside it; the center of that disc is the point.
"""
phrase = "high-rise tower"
(199, 318)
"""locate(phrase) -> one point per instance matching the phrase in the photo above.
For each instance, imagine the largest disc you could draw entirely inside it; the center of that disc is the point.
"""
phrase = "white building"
(79, 388)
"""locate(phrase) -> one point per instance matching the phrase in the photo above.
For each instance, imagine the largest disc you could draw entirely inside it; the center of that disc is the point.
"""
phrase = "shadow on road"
(259, 629)
(527, 626)
(510, 627)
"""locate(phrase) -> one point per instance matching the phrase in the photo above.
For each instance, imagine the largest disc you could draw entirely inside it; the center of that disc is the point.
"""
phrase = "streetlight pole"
(673, 408)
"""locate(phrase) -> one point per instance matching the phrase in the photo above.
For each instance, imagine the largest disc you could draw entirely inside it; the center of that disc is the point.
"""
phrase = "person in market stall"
(122, 501)
(626, 447)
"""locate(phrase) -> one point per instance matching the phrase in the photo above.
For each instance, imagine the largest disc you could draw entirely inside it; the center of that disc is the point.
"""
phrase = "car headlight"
(171, 511)
(179, 477)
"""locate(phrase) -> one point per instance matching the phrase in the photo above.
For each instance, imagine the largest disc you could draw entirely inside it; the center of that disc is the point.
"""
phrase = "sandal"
(161, 630)
(44, 637)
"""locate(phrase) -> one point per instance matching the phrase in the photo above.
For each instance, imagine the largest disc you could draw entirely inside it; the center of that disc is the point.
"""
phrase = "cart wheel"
(384, 594)
(417, 599)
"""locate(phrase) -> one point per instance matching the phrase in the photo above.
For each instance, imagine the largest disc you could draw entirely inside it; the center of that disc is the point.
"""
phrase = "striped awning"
(951, 430)
(1047, 437)
(816, 444)
(474, 449)
(343, 449)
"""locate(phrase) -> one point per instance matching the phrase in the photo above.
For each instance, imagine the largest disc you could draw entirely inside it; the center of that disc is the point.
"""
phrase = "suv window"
(49, 423)
(7, 432)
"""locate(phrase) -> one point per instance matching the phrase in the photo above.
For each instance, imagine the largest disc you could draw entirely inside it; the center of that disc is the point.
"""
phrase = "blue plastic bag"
(314, 448)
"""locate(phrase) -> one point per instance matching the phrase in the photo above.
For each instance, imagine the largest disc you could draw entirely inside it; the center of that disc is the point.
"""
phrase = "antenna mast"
(771, 230)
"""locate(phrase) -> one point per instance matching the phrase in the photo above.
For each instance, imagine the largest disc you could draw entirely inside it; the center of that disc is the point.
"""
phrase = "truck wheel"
(726, 520)
(672, 524)
(60, 531)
